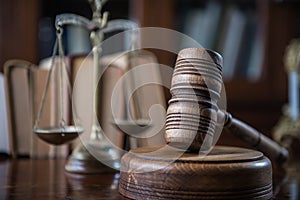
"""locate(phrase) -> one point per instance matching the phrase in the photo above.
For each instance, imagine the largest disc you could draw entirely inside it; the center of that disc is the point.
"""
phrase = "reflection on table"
(47, 179)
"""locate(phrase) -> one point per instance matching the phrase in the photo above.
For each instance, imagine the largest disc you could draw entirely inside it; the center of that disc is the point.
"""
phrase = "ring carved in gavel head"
(196, 87)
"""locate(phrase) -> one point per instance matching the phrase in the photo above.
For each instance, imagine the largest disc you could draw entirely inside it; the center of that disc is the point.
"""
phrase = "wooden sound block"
(169, 173)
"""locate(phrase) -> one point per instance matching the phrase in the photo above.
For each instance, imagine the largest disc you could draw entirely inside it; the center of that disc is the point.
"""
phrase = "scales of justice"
(189, 166)
(81, 160)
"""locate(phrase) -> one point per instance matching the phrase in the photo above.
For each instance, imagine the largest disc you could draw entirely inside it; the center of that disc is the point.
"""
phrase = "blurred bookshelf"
(257, 100)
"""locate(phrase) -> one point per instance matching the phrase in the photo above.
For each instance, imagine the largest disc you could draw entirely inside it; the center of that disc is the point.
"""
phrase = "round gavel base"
(169, 173)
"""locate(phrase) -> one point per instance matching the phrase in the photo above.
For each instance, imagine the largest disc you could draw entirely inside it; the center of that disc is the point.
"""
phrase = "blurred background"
(252, 36)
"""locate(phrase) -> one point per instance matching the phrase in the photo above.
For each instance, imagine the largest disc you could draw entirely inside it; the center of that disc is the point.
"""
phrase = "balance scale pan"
(58, 135)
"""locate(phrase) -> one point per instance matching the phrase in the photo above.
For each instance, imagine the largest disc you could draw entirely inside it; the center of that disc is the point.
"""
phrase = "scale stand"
(85, 158)
(98, 153)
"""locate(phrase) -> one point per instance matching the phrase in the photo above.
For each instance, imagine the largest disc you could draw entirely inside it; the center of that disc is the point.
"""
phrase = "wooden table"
(46, 179)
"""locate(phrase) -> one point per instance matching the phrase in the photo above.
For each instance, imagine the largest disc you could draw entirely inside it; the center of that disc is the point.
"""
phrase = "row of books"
(22, 86)
(232, 30)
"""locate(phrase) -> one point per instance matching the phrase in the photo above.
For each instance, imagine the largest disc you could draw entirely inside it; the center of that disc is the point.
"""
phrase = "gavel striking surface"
(225, 173)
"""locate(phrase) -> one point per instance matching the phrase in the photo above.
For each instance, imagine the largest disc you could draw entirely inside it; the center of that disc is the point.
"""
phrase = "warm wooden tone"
(191, 123)
(19, 30)
(196, 87)
(155, 13)
(81, 161)
(193, 111)
(167, 173)
(47, 179)
(254, 138)
(259, 103)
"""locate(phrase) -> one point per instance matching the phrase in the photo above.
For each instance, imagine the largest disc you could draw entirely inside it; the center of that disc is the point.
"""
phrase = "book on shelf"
(202, 24)
(233, 41)
(25, 86)
(116, 66)
(84, 91)
(246, 44)
(51, 115)
(5, 145)
(145, 76)
(256, 58)
(81, 67)
(39, 148)
(18, 77)
(251, 52)
(231, 30)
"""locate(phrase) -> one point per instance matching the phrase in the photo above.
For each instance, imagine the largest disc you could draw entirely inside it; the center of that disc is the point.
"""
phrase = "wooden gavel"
(193, 113)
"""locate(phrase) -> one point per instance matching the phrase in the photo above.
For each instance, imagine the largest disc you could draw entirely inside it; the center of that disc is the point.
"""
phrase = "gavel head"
(196, 87)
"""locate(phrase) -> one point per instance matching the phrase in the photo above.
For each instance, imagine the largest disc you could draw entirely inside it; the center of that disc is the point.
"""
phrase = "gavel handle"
(254, 138)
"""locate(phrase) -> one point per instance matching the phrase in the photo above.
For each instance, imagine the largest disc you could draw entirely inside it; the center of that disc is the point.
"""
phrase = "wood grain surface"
(167, 173)
(196, 87)
(46, 179)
